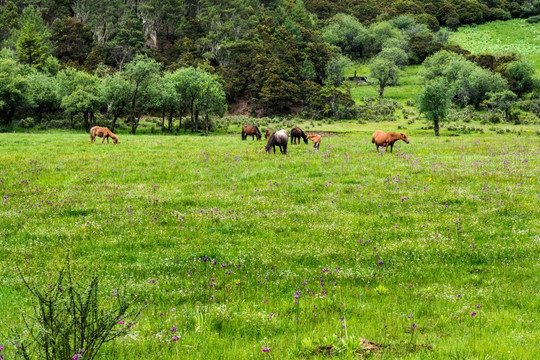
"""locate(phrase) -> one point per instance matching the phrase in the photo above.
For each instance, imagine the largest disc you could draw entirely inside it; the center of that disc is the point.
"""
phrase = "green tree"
(33, 38)
(80, 94)
(141, 72)
(43, 93)
(13, 87)
(128, 40)
(347, 33)
(115, 93)
(433, 102)
(503, 101)
(72, 41)
(9, 20)
(521, 77)
(307, 72)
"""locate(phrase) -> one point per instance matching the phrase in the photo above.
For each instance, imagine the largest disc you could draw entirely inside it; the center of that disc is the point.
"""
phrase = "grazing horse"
(316, 140)
(296, 134)
(279, 138)
(267, 133)
(251, 130)
(381, 138)
(104, 133)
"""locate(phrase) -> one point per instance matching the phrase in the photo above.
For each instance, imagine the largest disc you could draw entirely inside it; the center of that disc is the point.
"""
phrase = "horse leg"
(103, 140)
(392, 148)
(386, 149)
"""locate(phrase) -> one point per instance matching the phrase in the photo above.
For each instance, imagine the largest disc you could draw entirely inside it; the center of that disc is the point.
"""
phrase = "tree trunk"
(135, 124)
(206, 124)
(381, 92)
(436, 127)
(86, 123)
(196, 119)
(163, 118)
(113, 124)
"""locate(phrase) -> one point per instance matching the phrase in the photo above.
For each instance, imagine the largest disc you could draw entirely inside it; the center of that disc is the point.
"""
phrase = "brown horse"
(104, 133)
(296, 134)
(279, 138)
(316, 140)
(381, 138)
(251, 130)
(267, 133)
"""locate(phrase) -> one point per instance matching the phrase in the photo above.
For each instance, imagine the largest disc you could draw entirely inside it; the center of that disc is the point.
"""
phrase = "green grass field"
(513, 37)
(369, 243)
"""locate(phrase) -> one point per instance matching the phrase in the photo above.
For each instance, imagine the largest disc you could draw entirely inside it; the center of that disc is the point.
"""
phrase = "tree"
(433, 102)
(521, 77)
(72, 41)
(127, 41)
(79, 92)
(385, 67)
(33, 38)
(42, 93)
(9, 20)
(165, 99)
(347, 33)
(12, 87)
(115, 93)
(141, 72)
(502, 100)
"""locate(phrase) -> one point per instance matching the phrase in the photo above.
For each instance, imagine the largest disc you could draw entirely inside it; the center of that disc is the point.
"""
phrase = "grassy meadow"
(513, 37)
(344, 253)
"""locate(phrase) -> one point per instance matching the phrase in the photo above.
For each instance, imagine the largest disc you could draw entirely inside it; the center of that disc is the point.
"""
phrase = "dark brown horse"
(251, 130)
(296, 134)
(279, 138)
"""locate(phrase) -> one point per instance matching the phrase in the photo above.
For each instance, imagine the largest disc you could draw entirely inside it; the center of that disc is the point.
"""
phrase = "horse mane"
(303, 134)
(271, 142)
(258, 131)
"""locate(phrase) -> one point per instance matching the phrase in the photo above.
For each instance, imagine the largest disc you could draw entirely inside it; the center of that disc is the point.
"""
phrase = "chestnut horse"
(296, 134)
(316, 140)
(279, 138)
(104, 133)
(267, 133)
(381, 138)
(251, 130)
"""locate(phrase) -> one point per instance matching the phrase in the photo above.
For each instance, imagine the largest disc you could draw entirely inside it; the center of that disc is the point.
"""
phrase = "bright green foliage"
(385, 67)
(336, 70)
(115, 93)
(434, 101)
(80, 94)
(347, 33)
(12, 87)
(467, 82)
(43, 93)
(33, 38)
(521, 77)
(140, 72)
(164, 98)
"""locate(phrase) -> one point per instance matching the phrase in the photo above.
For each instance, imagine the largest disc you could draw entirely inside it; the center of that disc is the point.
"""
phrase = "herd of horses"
(279, 138)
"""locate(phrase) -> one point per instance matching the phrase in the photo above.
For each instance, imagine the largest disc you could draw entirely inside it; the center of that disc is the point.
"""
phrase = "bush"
(27, 123)
(533, 19)
(70, 318)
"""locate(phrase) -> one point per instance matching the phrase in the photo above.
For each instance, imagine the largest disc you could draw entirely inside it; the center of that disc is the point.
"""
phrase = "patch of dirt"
(368, 346)
(422, 346)
(323, 350)
(324, 133)
(242, 107)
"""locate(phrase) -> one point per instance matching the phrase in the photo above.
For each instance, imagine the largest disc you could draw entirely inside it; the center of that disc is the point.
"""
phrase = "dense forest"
(65, 62)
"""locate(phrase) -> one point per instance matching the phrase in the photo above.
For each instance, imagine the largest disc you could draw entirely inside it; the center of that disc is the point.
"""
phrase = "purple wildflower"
(265, 349)
(473, 314)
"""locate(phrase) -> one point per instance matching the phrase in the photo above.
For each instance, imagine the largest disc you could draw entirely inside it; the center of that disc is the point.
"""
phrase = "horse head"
(403, 137)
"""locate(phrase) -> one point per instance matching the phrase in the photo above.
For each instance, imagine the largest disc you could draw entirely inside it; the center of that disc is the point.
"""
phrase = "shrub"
(27, 123)
(70, 319)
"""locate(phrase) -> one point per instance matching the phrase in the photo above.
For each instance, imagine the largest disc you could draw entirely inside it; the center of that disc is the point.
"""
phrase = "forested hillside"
(174, 58)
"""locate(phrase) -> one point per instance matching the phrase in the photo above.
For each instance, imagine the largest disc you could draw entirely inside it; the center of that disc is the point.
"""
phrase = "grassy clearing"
(370, 243)
(513, 37)
(410, 84)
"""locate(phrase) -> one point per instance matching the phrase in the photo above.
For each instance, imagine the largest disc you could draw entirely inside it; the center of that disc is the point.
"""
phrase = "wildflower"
(473, 314)
(414, 326)
(176, 338)
(121, 322)
(381, 262)
(410, 315)
(458, 296)
(174, 328)
(478, 306)
(173, 309)
(265, 349)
